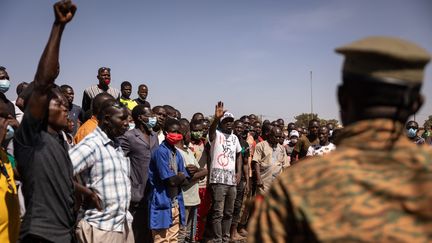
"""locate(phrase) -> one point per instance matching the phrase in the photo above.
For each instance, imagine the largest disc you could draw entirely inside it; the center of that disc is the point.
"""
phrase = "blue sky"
(256, 56)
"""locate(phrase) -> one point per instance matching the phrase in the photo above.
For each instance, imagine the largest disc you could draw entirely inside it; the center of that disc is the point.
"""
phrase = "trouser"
(187, 233)
(86, 233)
(238, 203)
(219, 224)
(203, 210)
(247, 203)
(172, 233)
(140, 227)
(34, 239)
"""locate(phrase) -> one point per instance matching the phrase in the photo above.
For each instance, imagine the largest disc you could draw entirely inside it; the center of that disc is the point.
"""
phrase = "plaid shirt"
(108, 176)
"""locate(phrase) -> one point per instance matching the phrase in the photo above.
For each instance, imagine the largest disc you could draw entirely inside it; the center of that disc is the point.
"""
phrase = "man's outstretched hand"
(64, 11)
(219, 110)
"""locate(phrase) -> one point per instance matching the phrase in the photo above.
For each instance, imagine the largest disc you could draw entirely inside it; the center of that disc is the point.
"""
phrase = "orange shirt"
(85, 129)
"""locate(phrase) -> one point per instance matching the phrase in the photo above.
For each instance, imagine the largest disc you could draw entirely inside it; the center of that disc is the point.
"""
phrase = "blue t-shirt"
(160, 170)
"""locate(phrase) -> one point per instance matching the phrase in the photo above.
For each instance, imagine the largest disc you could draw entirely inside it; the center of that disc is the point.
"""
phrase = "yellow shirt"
(9, 205)
(85, 129)
(130, 104)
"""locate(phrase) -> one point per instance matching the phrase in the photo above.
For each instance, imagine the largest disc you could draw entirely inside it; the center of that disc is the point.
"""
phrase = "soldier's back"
(374, 188)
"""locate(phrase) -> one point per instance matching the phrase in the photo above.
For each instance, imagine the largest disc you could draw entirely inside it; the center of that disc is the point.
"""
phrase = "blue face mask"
(4, 85)
(9, 133)
(151, 123)
(412, 132)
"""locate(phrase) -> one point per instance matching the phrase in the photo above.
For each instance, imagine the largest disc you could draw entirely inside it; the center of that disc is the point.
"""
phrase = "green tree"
(334, 121)
(304, 118)
(428, 123)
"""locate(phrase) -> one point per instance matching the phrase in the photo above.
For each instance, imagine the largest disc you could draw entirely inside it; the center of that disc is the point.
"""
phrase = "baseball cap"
(227, 115)
(294, 133)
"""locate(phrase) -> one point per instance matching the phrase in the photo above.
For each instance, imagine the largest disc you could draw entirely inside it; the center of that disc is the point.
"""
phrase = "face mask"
(107, 81)
(151, 123)
(173, 138)
(4, 85)
(196, 135)
(131, 126)
(412, 132)
(330, 133)
(10, 132)
(294, 140)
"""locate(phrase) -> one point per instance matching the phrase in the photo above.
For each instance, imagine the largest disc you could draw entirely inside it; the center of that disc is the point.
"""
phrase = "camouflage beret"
(384, 59)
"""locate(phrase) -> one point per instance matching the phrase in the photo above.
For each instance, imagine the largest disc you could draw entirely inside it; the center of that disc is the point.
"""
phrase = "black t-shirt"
(10, 106)
(142, 102)
(46, 172)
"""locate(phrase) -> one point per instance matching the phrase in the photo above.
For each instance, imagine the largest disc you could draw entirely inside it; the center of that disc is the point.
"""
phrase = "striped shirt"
(108, 177)
(92, 91)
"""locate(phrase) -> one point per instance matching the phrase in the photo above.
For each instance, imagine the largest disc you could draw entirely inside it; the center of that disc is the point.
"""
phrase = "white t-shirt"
(190, 193)
(223, 153)
(320, 150)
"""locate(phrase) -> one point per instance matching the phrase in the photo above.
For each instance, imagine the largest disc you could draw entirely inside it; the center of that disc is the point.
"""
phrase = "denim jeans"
(223, 197)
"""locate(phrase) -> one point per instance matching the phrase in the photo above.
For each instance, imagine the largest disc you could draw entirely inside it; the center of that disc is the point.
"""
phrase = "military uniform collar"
(373, 134)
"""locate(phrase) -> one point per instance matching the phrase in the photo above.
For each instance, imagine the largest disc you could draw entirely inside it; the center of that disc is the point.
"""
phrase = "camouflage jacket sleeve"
(276, 219)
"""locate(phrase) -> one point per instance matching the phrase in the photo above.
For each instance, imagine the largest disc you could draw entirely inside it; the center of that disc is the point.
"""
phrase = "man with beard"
(108, 185)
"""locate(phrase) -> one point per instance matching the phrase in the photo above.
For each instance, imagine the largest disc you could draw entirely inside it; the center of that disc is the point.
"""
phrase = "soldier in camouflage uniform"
(377, 185)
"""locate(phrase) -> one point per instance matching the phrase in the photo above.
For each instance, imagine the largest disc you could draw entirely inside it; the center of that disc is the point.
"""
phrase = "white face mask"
(294, 140)
(131, 126)
(4, 85)
(10, 132)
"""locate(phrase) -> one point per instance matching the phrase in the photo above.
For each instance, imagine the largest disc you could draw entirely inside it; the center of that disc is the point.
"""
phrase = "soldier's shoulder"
(425, 153)
(313, 170)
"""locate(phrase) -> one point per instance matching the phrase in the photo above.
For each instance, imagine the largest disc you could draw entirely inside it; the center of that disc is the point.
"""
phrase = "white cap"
(294, 133)
(227, 115)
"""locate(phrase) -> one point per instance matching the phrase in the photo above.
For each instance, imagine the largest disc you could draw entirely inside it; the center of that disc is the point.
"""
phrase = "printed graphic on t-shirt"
(224, 158)
(320, 150)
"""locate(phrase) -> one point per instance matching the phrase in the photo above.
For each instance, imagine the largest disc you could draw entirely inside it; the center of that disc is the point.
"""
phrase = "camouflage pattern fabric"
(375, 187)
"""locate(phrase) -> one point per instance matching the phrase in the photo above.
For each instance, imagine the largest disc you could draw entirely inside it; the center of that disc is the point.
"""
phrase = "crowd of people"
(117, 169)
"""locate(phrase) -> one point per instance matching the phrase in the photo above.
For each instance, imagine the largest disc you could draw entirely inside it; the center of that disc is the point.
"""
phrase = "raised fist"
(64, 11)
